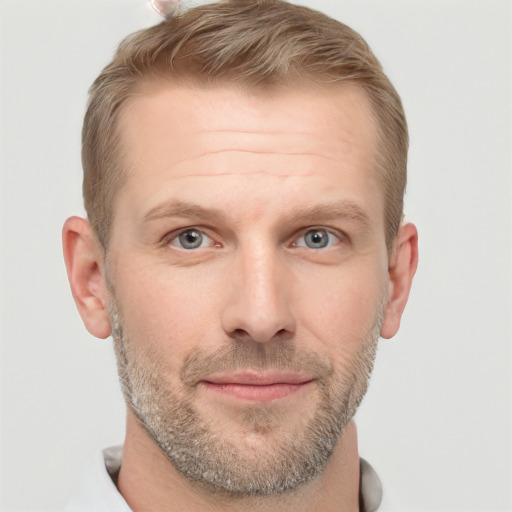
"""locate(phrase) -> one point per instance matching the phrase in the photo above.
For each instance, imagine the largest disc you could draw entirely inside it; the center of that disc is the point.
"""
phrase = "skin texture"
(254, 177)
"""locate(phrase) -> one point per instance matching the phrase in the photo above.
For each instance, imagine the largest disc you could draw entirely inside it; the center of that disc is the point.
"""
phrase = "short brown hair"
(255, 43)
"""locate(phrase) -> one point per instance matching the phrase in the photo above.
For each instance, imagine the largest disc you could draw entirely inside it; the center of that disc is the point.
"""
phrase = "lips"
(259, 386)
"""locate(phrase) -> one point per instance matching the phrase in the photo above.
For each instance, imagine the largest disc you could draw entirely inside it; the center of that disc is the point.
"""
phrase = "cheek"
(342, 308)
(165, 312)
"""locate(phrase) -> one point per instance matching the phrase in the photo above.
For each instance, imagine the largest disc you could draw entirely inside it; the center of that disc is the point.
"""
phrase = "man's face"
(248, 276)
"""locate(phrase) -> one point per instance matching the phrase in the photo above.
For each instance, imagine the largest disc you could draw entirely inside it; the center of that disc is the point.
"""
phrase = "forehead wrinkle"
(286, 135)
(260, 131)
(246, 173)
(251, 152)
(282, 143)
(260, 142)
(290, 140)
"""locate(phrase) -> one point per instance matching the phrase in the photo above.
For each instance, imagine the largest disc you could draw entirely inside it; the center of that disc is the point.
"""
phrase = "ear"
(84, 257)
(402, 267)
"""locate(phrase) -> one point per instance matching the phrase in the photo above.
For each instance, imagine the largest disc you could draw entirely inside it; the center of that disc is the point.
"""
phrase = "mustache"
(249, 355)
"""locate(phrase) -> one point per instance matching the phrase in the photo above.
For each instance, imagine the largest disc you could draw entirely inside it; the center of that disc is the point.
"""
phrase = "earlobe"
(84, 259)
(402, 267)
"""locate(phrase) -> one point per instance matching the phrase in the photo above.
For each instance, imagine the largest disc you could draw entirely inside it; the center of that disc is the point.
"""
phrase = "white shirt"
(96, 491)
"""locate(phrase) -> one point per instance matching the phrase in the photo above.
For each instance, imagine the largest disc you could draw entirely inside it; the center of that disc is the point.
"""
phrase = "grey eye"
(190, 239)
(316, 239)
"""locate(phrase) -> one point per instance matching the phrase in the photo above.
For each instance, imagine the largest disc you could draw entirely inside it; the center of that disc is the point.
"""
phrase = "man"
(244, 171)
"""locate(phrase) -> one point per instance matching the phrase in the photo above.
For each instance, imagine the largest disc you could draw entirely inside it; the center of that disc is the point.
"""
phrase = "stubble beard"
(213, 461)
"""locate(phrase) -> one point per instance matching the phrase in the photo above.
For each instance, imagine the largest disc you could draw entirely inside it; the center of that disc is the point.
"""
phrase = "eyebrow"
(183, 209)
(343, 209)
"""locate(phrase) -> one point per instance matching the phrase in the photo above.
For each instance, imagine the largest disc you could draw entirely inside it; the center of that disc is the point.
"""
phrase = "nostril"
(283, 334)
(242, 334)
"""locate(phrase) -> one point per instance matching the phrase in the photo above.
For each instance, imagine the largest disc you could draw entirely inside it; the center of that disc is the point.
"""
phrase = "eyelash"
(338, 236)
(170, 238)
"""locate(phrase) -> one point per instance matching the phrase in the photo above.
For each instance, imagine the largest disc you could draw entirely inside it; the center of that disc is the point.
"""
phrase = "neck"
(150, 483)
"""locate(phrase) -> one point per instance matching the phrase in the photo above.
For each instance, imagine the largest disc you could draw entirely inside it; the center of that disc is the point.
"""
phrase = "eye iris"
(316, 239)
(191, 239)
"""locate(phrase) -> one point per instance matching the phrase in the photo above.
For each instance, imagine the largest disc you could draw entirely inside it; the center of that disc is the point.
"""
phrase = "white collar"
(97, 491)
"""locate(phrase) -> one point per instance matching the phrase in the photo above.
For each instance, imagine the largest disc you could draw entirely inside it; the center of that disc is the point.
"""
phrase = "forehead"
(209, 141)
(179, 122)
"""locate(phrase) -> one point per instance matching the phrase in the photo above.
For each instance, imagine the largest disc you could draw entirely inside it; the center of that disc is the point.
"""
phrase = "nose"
(258, 297)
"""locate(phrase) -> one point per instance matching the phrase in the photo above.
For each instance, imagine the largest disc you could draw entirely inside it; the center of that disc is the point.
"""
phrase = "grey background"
(437, 420)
